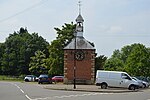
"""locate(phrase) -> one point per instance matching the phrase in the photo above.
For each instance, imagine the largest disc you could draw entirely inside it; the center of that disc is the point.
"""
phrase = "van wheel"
(132, 87)
(104, 86)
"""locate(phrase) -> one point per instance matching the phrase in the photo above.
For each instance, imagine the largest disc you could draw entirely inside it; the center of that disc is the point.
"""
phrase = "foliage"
(114, 64)
(10, 78)
(99, 62)
(134, 59)
(17, 50)
(38, 64)
(138, 61)
(56, 53)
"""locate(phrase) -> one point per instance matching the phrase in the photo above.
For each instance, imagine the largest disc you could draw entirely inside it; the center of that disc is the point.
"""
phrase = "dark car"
(58, 78)
(44, 79)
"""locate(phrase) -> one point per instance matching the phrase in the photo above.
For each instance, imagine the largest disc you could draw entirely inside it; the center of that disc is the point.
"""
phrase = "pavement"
(86, 88)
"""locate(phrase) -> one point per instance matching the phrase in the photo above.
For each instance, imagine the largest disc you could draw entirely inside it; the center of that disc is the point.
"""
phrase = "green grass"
(9, 78)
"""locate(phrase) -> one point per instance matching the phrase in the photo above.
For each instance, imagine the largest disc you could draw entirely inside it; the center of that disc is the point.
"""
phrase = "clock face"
(79, 55)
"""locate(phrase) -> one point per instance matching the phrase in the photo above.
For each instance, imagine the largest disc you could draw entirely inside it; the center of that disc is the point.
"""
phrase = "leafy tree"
(12, 57)
(56, 57)
(138, 61)
(18, 48)
(99, 62)
(114, 64)
(2, 48)
(38, 64)
(135, 59)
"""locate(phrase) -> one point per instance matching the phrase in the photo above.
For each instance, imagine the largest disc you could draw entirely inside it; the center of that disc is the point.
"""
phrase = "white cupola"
(79, 42)
(79, 26)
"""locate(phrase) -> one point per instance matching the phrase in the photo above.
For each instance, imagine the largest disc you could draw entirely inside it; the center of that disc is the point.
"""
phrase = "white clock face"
(79, 55)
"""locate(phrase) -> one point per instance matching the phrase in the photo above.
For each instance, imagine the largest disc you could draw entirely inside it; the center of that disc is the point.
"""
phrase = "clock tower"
(79, 57)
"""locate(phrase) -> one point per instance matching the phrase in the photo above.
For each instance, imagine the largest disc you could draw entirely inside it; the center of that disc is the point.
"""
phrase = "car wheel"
(132, 87)
(26, 80)
(104, 86)
(50, 82)
(144, 85)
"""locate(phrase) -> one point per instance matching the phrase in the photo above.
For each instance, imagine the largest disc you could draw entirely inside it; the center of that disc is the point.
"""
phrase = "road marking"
(59, 97)
(68, 96)
(22, 91)
(28, 97)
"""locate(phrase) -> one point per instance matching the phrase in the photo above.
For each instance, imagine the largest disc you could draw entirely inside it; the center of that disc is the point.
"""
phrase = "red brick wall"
(84, 69)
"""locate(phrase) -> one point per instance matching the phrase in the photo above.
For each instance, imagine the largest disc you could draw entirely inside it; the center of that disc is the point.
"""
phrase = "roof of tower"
(81, 43)
(79, 19)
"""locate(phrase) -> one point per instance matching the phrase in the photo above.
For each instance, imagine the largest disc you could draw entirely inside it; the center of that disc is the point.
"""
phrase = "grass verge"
(10, 78)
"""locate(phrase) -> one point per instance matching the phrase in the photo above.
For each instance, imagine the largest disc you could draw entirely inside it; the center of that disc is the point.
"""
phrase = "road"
(29, 91)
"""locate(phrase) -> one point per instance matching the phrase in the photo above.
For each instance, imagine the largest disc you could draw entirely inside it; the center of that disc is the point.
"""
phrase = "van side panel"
(113, 79)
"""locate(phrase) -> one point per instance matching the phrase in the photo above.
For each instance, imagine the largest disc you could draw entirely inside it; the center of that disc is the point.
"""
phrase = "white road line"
(22, 91)
(28, 97)
(68, 96)
(58, 97)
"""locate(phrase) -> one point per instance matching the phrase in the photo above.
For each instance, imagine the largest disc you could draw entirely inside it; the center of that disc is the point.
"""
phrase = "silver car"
(142, 83)
(30, 78)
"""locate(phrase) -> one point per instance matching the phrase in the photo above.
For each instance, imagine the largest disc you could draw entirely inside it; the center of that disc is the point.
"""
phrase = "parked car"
(115, 79)
(43, 78)
(30, 78)
(144, 83)
(141, 85)
(58, 79)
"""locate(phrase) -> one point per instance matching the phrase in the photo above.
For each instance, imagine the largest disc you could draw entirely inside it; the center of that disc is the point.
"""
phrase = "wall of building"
(85, 68)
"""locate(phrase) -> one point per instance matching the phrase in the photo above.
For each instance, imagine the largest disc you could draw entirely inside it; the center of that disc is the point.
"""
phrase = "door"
(125, 80)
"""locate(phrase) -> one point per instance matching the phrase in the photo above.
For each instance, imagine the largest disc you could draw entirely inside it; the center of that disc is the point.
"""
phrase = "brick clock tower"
(79, 58)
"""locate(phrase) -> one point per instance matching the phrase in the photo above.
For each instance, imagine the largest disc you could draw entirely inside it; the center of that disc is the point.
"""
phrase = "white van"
(115, 79)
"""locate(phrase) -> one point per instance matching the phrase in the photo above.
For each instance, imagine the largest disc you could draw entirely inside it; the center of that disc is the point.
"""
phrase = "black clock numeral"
(79, 55)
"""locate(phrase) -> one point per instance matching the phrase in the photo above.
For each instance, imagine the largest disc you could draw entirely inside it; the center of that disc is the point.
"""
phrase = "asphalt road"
(29, 91)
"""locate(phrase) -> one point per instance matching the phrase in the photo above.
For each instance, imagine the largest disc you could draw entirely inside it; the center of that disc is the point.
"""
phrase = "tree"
(99, 62)
(134, 59)
(2, 48)
(138, 61)
(56, 53)
(18, 48)
(114, 64)
(38, 64)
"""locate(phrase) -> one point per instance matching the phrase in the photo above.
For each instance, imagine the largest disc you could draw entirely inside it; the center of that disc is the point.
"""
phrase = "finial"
(79, 3)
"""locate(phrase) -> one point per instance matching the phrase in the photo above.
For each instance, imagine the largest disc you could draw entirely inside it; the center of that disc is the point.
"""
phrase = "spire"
(79, 20)
(79, 3)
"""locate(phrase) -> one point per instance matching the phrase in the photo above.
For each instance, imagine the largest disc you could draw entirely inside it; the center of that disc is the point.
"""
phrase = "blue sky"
(110, 24)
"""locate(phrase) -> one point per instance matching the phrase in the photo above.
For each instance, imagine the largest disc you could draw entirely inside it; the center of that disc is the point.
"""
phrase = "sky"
(109, 24)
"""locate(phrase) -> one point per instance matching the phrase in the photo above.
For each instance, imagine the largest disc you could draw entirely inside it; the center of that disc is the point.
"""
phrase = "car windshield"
(30, 76)
(58, 76)
(43, 76)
